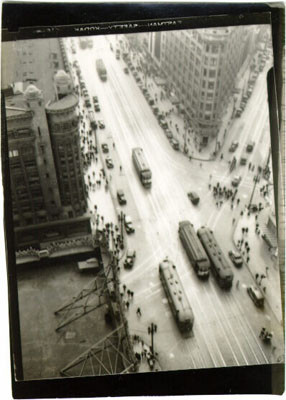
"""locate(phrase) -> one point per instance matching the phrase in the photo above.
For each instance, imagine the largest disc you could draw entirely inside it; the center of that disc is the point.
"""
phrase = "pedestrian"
(266, 271)
(127, 305)
(131, 294)
(233, 221)
(247, 259)
(128, 292)
(264, 289)
(124, 288)
(138, 312)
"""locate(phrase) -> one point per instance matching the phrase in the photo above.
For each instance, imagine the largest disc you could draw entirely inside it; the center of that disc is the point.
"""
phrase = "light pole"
(256, 180)
(151, 330)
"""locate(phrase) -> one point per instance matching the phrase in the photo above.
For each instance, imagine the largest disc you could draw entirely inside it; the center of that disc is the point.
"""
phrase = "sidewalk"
(261, 262)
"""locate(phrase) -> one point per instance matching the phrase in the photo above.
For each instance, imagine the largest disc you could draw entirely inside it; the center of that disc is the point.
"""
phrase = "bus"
(219, 264)
(194, 249)
(142, 167)
(176, 296)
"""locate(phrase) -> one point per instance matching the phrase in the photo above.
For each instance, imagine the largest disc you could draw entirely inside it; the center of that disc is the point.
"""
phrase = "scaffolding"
(113, 354)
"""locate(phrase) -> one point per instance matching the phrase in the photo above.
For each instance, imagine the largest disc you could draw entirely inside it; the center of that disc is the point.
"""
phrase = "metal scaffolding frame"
(86, 301)
(112, 354)
(108, 354)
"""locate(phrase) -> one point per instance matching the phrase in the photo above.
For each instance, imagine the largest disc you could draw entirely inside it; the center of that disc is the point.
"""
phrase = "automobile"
(128, 224)
(109, 162)
(130, 258)
(126, 70)
(253, 208)
(233, 146)
(250, 146)
(194, 198)
(87, 103)
(138, 80)
(105, 148)
(236, 181)
(256, 296)
(101, 124)
(164, 125)
(117, 54)
(168, 133)
(243, 160)
(121, 197)
(151, 102)
(155, 110)
(235, 258)
(95, 99)
(174, 144)
(91, 263)
(96, 108)
(238, 112)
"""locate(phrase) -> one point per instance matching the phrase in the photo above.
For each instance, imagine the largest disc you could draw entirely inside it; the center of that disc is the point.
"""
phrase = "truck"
(101, 70)
(142, 167)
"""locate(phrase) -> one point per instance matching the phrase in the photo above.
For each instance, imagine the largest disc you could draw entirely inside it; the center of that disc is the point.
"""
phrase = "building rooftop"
(16, 106)
(70, 100)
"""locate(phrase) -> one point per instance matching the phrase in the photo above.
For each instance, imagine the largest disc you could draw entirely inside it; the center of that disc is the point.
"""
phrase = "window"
(208, 107)
(211, 85)
(205, 72)
(213, 61)
(212, 73)
(13, 153)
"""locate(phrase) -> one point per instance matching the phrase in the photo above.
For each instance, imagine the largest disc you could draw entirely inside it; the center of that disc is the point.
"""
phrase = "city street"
(227, 323)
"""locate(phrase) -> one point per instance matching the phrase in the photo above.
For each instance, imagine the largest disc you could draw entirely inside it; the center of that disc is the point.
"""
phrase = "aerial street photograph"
(142, 201)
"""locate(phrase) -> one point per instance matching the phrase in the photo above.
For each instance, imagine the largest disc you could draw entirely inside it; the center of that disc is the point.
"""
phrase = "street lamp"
(256, 179)
(151, 330)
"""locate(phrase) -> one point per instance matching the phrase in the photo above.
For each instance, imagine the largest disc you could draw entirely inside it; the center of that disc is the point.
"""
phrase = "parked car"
(91, 263)
(233, 146)
(105, 148)
(194, 198)
(130, 258)
(121, 197)
(235, 258)
(95, 99)
(128, 224)
(101, 124)
(168, 133)
(236, 181)
(243, 160)
(96, 108)
(126, 70)
(250, 147)
(109, 162)
(174, 144)
(256, 296)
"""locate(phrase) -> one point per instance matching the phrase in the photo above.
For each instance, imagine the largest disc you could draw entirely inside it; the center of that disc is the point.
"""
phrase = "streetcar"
(176, 296)
(219, 264)
(194, 249)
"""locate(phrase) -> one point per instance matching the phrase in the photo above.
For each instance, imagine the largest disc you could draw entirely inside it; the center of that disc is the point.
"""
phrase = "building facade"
(46, 172)
(200, 67)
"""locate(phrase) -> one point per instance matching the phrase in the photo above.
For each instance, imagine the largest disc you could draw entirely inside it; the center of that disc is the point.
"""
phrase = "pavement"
(262, 262)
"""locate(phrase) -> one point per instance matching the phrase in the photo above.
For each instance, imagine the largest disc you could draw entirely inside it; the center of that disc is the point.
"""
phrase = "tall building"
(200, 67)
(46, 173)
